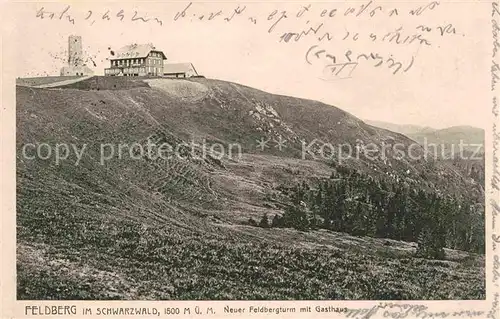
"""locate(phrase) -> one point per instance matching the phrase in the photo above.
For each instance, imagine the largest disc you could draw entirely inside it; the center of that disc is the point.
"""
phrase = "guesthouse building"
(136, 60)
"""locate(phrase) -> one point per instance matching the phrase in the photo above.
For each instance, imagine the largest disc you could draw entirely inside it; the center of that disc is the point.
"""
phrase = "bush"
(252, 222)
(264, 222)
(278, 221)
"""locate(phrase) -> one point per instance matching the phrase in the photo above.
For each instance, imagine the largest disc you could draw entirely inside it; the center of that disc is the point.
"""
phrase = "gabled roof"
(176, 68)
(136, 51)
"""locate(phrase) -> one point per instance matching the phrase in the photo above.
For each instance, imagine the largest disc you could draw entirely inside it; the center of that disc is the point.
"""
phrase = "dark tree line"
(359, 204)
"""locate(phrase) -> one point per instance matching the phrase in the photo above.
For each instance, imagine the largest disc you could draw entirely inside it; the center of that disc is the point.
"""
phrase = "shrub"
(278, 221)
(252, 222)
(264, 222)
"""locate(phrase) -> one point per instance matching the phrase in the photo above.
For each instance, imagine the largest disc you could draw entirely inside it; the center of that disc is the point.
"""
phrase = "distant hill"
(136, 227)
(448, 141)
(451, 136)
(401, 128)
(445, 144)
(447, 136)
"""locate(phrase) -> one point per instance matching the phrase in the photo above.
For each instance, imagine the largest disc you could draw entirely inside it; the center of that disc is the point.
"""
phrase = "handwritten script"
(495, 190)
(401, 310)
(330, 31)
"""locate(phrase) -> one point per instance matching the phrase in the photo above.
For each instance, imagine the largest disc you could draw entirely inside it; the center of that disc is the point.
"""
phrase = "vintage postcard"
(284, 159)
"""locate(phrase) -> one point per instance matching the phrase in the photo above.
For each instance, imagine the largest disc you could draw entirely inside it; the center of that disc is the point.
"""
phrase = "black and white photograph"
(260, 151)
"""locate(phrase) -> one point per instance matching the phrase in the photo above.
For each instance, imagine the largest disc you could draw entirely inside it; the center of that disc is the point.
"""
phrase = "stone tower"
(75, 50)
(76, 63)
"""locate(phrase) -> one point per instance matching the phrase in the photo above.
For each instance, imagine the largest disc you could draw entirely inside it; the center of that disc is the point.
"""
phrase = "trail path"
(65, 82)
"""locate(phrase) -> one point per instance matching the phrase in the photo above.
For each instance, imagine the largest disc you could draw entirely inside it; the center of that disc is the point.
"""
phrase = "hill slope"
(132, 218)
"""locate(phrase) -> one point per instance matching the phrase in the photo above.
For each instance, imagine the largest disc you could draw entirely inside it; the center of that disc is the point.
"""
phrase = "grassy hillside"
(156, 228)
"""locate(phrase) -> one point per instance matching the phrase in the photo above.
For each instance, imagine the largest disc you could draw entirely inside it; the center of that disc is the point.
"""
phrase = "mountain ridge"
(447, 135)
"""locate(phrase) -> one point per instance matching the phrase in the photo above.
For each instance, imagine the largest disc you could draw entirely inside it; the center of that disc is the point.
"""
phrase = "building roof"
(176, 68)
(135, 51)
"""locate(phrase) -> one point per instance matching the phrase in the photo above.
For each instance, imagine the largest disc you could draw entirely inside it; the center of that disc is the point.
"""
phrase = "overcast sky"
(447, 84)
